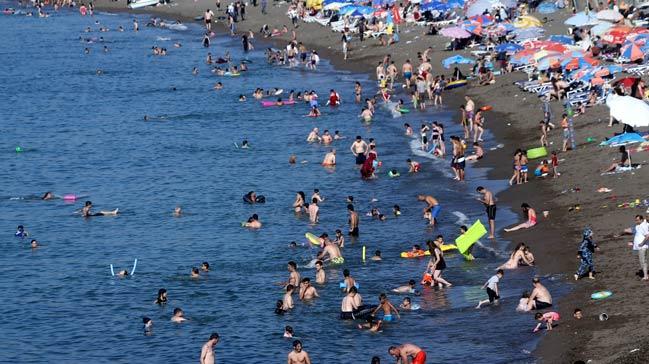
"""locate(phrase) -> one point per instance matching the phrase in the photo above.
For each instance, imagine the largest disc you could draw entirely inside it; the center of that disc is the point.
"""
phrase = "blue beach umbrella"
(435, 5)
(563, 39)
(508, 47)
(457, 59)
(456, 3)
(622, 139)
(582, 19)
(546, 8)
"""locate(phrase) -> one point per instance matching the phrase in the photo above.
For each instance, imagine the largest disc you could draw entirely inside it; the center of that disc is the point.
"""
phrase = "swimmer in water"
(178, 211)
(387, 307)
(314, 113)
(86, 211)
(288, 332)
(366, 115)
(307, 291)
(218, 86)
(48, 196)
(413, 166)
(205, 267)
(195, 71)
(195, 273)
(337, 135)
(408, 129)
(409, 288)
(242, 98)
(377, 256)
(162, 297)
(396, 210)
(320, 277)
(329, 159)
(122, 273)
(292, 159)
(287, 302)
(253, 222)
(21, 232)
(179, 316)
(313, 136)
(372, 324)
(245, 145)
(406, 304)
(34, 244)
(148, 325)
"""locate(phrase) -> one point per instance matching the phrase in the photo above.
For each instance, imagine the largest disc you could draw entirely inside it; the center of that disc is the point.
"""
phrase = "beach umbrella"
(457, 59)
(544, 53)
(601, 28)
(638, 38)
(580, 62)
(508, 47)
(616, 35)
(546, 8)
(610, 15)
(582, 19)
(474, 28)
(563, 39)
(548, 62)
(335, 6)
(434, 6)
(626, 82)
(631, 52)
(523, 57)
(555, 47)
(528, 33)
(482, 19)
(628, 110)
(527, 21)
(456, 3)
(623, 139)
(455, 32)
(477, 7)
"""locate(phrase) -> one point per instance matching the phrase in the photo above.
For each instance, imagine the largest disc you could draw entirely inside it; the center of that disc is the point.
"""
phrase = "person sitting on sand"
(329, 159)
(86, 211)
(625, 161)
(517, 258)
(530, 214)
(540, 297)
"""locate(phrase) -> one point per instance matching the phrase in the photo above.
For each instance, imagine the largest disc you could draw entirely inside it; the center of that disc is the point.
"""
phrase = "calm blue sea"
(84, 133)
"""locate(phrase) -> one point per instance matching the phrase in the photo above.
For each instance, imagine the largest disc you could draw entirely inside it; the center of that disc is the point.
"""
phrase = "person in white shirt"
(640, 243)
(492, 289)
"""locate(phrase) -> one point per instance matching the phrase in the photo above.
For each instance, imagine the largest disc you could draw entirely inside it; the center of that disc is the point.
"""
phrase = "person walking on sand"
(298, 356)
(404, 352)
(207, 352)
(585, 254)
(640, 243)
(490, 205)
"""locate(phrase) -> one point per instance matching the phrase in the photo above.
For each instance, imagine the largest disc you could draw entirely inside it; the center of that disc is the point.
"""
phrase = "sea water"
(84, 133)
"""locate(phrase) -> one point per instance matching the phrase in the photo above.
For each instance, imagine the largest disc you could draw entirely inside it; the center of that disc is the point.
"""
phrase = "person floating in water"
(48, 196)
(148, 326)
(86, 211)
(21, 232)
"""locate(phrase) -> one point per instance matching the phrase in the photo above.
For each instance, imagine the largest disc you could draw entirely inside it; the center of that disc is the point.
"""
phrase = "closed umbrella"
(610, 15)
(455, 32)
(582, 19)
(628, 110)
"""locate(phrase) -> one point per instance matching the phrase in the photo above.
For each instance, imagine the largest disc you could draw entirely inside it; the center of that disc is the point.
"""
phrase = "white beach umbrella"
(628, 110)
(610, 15)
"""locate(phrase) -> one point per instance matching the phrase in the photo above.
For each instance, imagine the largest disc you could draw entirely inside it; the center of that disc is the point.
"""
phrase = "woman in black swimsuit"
(437, 262)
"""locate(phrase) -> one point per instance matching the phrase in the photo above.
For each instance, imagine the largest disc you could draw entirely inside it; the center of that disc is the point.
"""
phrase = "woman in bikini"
(530, 214)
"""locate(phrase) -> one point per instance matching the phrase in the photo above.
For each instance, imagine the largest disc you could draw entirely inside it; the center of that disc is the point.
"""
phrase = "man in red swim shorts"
(405, 351)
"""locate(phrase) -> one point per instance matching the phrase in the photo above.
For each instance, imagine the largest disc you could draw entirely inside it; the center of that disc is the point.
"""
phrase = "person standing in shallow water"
(490, 205)
(353, 221)
(207, 352)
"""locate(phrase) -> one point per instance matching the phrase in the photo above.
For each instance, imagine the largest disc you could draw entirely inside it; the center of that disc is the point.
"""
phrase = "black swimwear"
(360, 158)
(540, 305)
(441, 265)
(491, 212)
(346, 315)
(354, 232)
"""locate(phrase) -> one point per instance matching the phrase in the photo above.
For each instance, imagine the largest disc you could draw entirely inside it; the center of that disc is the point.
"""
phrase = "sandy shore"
(554, 240)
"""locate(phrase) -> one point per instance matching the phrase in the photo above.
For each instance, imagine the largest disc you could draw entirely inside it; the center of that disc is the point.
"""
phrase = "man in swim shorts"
(432, 207)
(348, 305)
(208, 19)
(405, 351)
(353, 221)
(359, 148)
(490, 205)
(407, 72)
(294, 275)
(333, 252)
(298, 356)
(540, 297)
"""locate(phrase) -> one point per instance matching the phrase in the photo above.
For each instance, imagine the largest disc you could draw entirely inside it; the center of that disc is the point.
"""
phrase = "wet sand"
(555, 239)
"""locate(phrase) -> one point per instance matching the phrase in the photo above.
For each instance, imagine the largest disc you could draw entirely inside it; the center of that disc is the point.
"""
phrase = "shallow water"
(84, 134)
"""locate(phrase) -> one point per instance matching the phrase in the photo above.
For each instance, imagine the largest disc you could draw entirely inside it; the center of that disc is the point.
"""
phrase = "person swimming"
(21, 232)
(162, 297)
(86, 211)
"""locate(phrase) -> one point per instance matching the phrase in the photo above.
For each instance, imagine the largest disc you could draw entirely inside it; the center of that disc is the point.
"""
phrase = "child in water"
(371, 324)
(288, 332)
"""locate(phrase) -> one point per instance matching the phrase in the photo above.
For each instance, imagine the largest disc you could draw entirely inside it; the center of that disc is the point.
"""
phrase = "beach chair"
(640, 70)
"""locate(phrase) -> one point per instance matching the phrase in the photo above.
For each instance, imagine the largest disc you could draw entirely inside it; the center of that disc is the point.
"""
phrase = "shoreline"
(560, 232)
